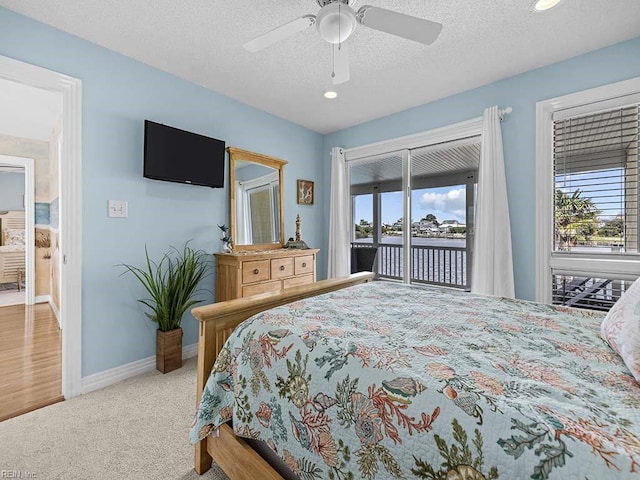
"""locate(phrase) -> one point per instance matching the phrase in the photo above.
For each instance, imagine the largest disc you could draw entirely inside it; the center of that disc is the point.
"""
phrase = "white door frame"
(70, 210)
(27, 165)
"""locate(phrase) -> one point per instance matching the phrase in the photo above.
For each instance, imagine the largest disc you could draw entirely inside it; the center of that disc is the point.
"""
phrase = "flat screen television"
(176, 155)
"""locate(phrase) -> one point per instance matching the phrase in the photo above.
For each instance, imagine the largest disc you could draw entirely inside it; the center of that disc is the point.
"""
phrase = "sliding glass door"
(415, 207)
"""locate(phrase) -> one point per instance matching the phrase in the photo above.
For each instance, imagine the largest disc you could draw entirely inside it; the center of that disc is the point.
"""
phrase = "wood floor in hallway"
(30, 359)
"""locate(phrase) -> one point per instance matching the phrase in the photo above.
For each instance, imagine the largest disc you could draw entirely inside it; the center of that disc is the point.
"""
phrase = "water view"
(434, 241)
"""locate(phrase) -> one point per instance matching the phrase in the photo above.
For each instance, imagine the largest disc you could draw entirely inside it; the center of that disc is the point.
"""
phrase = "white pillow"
(621, 328)
(14, 236)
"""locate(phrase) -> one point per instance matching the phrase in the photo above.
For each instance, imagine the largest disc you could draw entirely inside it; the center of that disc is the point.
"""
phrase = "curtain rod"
(503, 112)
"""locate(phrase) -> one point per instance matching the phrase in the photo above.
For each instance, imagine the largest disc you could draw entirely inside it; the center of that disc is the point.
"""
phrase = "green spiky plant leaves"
(171, 284)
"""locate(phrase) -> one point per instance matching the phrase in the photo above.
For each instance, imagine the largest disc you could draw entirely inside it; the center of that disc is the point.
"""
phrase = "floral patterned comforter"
(382, 380)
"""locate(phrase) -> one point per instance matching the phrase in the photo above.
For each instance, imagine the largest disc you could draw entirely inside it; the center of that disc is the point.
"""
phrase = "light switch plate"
(118, 209)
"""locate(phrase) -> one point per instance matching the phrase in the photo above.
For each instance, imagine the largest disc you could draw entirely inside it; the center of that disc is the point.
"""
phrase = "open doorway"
(64, 214)
(31, 354)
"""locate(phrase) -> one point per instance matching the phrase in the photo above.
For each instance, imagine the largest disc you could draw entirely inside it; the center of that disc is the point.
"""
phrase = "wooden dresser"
(248, 273)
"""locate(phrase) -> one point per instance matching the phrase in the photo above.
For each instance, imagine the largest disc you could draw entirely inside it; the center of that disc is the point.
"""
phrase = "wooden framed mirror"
(256, 192)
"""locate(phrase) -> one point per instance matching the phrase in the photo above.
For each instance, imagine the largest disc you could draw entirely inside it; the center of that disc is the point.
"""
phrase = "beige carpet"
(137, 429)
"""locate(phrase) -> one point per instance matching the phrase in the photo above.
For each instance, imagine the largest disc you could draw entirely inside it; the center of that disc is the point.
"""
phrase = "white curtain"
(339, 228)
(492, 260)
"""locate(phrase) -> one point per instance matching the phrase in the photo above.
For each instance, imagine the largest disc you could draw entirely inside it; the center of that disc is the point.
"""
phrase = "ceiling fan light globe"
(544, 5)
(336, 22)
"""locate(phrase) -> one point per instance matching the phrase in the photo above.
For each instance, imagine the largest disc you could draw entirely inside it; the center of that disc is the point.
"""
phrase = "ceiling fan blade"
(280, 33)
(405, 26)
(340, 63)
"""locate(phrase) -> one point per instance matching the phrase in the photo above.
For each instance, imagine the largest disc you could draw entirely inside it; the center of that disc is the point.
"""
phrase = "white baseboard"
(190, 351)
(55, 311)
(42, 299)
(117, 374)
(49, 300)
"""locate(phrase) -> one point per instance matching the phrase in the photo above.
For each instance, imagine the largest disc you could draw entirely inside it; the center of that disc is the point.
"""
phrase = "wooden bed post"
(209, 345)
(217, 322)
(203, 460)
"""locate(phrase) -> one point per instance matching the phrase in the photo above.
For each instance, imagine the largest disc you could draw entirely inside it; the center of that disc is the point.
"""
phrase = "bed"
(12, 251)
(350, 378)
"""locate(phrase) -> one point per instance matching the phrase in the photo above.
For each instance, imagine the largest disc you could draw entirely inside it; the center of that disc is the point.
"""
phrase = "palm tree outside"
(576, 219)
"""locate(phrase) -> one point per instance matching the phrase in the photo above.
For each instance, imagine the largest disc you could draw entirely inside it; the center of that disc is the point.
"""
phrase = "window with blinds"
(595, 168)
(595, 206)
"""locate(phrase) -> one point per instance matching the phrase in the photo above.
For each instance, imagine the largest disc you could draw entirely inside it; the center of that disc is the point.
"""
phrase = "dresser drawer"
(295, 281)
(281, 267)
(304, 265)
(261, 288)
(256, 271)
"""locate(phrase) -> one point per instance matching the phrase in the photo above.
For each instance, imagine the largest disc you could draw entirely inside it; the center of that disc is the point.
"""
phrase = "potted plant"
(171, 283)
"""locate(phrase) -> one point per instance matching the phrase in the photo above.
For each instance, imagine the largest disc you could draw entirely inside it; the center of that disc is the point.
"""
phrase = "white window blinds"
(595, 168)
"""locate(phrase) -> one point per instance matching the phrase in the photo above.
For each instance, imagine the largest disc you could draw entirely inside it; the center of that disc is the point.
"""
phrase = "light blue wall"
(118, 93)
(521, 92)
(11, 191)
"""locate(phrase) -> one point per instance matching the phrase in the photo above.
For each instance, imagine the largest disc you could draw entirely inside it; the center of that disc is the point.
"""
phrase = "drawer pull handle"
(281, 267)
(304, 264)
(256, 271)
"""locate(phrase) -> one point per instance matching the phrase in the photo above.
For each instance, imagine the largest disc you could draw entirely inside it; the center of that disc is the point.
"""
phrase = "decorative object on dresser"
(249, 273)
(298, 242)
(171, 283)
(226, 239)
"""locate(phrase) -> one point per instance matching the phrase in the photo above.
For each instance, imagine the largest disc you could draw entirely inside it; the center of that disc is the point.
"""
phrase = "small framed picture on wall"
(305, 192)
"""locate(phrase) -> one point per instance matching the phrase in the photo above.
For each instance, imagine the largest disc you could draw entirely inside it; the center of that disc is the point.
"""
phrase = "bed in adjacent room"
(381, 380)
(12, 246)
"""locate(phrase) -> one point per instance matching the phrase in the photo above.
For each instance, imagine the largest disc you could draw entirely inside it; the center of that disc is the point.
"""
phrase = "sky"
(446, 203)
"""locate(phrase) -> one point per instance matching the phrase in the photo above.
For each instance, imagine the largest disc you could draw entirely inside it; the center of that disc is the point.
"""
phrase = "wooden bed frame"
(232, 454)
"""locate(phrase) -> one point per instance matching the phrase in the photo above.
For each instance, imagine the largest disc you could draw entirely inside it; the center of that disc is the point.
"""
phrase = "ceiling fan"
(337, 20)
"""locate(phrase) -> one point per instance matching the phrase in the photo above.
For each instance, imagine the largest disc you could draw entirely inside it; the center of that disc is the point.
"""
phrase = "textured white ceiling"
(201, 40)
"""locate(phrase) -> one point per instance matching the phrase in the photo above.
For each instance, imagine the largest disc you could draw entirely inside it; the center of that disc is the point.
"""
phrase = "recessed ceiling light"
(543, 5)
(330, 94)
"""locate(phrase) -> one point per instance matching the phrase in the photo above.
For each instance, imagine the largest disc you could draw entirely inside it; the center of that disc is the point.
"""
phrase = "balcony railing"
(434, 265)
(584, 292)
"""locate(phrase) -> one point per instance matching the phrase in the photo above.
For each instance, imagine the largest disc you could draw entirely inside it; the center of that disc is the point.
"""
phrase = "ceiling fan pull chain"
(333, 54)
(333, 63)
